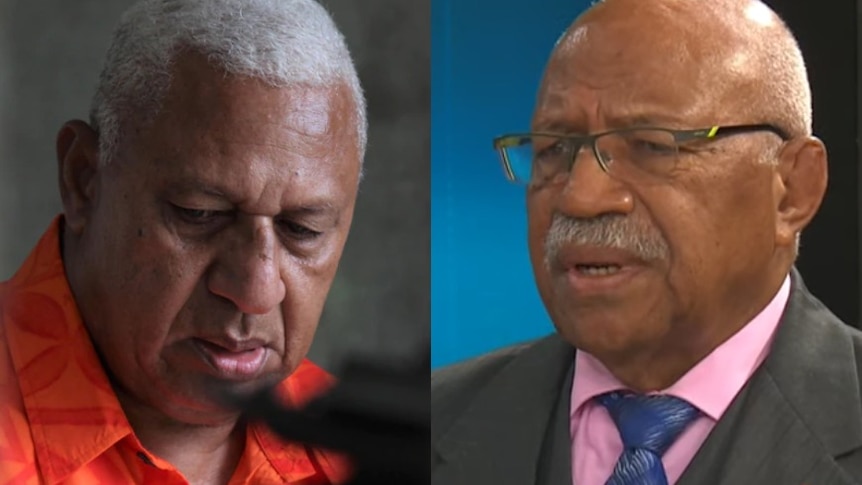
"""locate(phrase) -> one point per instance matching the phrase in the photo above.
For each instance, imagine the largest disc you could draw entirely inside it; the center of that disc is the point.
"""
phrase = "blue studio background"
(487, 58)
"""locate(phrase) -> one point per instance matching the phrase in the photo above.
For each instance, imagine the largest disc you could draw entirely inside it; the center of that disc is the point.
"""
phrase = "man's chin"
(211, 401)
(599, 331)
(228, 393)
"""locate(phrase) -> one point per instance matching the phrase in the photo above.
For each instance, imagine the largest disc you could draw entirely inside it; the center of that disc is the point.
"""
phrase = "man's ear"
(800, 185)
(78, 160)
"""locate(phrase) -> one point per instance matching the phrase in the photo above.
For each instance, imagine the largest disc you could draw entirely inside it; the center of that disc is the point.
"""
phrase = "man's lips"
(233, 345)
(596, 271)
(579, 258)
(233, 359)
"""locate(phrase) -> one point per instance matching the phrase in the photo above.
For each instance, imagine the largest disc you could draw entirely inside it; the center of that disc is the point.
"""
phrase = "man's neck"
(203, 454)
(659, 367)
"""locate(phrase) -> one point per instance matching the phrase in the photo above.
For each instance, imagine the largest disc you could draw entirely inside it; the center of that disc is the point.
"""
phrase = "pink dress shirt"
(710, 386)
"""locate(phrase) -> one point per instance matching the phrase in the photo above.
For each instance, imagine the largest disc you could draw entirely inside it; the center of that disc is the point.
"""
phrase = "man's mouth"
(598, 269)
(234, 360)
(594, 271)
(595, 261)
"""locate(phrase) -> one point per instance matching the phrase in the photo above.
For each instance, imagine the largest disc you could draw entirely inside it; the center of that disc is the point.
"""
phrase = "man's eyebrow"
(311, 206)
(323, 213)
(548, 125)
(312, 209)
(643, 120)
(187, 186)
(562, 126)
(635, 120)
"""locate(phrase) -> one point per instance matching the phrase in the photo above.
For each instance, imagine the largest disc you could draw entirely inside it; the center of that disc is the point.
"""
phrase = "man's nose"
(591, 192)
(248, 270)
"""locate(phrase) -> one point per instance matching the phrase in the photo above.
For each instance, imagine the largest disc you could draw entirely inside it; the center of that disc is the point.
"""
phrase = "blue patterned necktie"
(648, 425)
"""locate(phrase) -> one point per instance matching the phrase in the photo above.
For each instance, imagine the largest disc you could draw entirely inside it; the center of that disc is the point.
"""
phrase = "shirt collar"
(73, 412)
(292, 459)
(714, 382)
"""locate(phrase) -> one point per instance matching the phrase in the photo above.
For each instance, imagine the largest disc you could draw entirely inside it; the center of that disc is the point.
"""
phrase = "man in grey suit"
(670, 171)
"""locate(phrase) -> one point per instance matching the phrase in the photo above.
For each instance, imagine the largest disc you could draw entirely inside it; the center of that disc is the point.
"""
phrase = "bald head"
(734, 59)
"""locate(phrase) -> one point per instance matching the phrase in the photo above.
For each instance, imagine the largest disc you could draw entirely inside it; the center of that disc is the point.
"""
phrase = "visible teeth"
(598, 270)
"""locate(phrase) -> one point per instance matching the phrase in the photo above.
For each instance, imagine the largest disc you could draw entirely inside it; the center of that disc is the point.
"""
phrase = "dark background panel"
(51, 53)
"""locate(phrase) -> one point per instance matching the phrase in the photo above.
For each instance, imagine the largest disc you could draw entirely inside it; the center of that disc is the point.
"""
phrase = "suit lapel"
(499, 437)
(555, 459)
(799, 411)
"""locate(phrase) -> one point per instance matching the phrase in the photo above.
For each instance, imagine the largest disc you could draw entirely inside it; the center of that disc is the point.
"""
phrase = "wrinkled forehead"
(247, 133)
(202, 91)
(634, 67)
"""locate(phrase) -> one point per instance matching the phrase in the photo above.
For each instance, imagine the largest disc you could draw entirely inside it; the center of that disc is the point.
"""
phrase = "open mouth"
(598, 269)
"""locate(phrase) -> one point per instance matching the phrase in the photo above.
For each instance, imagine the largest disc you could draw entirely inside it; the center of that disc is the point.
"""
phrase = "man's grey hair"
(281, 42)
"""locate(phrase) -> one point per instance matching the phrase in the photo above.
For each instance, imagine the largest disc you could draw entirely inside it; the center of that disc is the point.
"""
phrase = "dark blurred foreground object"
(378, 413)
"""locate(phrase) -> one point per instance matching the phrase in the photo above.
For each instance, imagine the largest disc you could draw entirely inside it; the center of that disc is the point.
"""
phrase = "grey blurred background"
(50, 56)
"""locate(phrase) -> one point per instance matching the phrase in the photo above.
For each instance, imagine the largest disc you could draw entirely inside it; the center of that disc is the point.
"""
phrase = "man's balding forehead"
(703, 17)
(741, 48)
(757, 9)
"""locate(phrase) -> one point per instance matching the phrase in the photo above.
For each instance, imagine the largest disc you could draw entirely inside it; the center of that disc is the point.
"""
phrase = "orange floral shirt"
(60, 421)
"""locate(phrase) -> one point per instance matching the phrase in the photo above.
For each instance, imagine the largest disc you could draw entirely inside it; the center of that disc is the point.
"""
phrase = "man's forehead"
(626, 67)
(699, 27)
(611, 40)
(204, 90)
(240, 136)
(309, 112)
(578, 88)
(715, 12)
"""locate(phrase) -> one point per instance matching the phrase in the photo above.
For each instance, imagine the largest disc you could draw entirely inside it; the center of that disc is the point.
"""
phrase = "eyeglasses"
(544, 158)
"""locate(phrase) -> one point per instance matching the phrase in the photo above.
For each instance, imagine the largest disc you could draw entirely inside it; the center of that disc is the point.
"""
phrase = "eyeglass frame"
(502, 142)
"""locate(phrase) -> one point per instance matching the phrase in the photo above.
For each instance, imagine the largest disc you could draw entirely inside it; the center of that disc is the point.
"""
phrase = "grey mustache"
(606, 231)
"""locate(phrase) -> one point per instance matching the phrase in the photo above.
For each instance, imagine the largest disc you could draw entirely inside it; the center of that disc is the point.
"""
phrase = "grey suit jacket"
(503, 418)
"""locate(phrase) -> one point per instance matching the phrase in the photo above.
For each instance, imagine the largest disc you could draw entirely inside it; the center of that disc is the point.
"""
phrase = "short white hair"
(281, 42)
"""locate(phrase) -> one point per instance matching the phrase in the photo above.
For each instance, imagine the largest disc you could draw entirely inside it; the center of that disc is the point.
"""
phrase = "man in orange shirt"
(206, 206)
